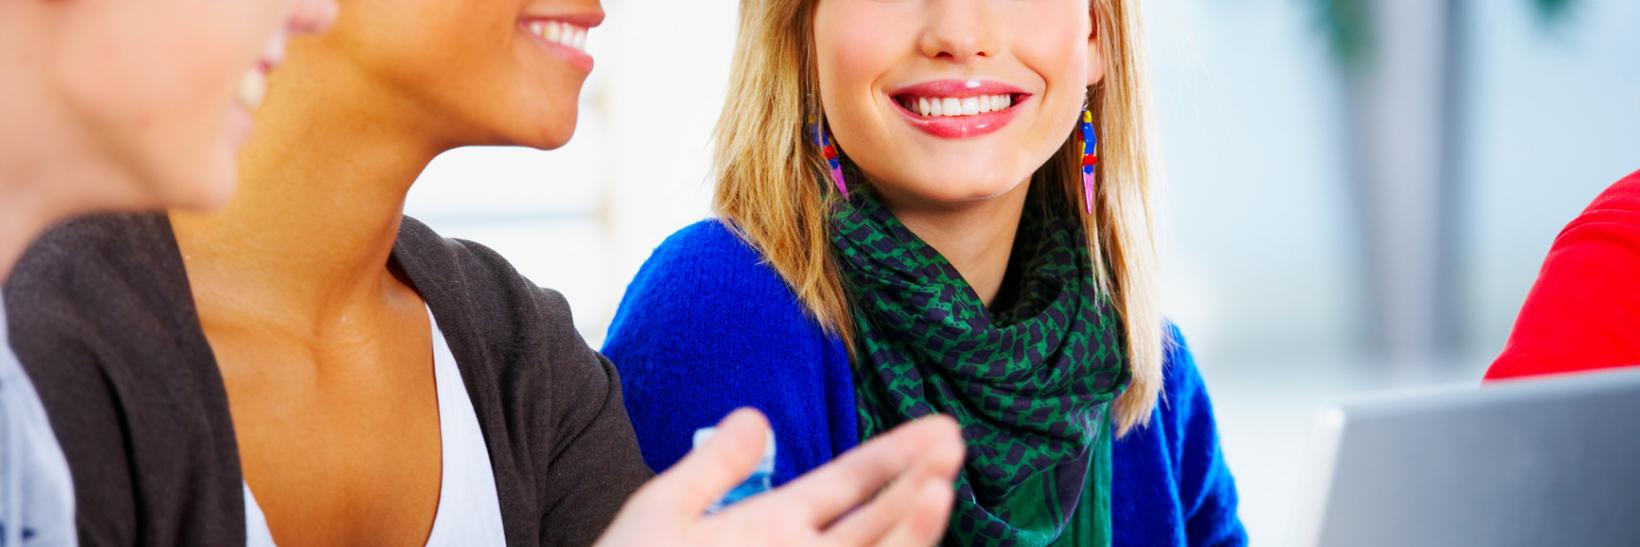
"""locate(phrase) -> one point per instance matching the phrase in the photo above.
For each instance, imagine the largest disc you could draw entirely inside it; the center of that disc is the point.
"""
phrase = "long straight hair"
(771, 185)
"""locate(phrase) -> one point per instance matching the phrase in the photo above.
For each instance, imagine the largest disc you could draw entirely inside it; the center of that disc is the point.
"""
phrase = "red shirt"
(1584, 311)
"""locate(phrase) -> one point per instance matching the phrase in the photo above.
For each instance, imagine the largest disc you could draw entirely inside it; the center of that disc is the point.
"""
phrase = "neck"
(22, 218)
(46, 176)
(321, 196)
(977, 238)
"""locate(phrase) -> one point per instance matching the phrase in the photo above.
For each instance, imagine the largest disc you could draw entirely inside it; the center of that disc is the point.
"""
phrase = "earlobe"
(1096, 64)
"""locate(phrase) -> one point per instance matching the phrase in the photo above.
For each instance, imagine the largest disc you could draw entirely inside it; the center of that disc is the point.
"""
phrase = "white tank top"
(469, 511)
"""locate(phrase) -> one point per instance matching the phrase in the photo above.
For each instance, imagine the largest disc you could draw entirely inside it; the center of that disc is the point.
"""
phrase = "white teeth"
(274, 50)
(953, 106)
(253, 86)
(561, 33)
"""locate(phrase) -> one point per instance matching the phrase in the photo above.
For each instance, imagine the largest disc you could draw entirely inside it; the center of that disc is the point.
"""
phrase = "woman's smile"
(958, 109)
(253, 87)
(564, 36)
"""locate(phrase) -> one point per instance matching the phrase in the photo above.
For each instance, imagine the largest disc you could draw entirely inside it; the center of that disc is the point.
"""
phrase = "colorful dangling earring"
(829, 152)
(1090, 158)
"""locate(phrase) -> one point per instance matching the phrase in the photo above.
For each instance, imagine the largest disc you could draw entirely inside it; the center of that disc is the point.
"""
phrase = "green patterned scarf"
(1031, 384)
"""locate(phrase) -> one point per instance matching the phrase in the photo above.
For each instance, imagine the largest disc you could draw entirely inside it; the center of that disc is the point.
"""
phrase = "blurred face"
(942, 102)
(166, 87)
(480, 72)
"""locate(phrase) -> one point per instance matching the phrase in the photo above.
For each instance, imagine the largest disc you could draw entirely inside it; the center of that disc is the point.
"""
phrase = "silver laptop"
(1542, 462)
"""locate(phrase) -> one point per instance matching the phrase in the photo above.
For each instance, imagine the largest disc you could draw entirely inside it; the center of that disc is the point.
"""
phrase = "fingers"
(713, 468)
(925, 524)
(913, 509)
(927, 447)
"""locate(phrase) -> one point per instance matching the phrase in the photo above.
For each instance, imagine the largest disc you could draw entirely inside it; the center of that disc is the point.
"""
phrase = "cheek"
(854, 48)
(195, 67)
(423, 50)
(195, 103)
(157, 95)
(472, 72)
(851, 53)
(408, 50)
(1055, 46)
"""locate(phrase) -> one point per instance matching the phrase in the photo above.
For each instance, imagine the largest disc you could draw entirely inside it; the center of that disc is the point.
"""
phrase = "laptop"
(1553, 461)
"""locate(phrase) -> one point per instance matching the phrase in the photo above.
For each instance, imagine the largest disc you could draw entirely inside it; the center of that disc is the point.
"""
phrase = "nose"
(312, 16)
(958, 30)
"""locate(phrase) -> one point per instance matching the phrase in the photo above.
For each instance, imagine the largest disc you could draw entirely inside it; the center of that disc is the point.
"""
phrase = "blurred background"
(1356, 193)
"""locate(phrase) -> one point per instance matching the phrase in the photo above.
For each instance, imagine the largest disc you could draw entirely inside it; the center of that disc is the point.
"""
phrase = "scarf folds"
(1030, 383)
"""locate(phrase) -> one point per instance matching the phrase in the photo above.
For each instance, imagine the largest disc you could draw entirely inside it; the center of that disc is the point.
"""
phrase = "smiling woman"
(95, 120)
(310, 366)
(312, 306)
(964, 265)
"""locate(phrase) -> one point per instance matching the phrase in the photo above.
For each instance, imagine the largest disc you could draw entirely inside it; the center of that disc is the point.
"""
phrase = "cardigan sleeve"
(562, 450)
(594, 465)
(82, 409)
(121, 373)
(1583, 310)
(706, 328)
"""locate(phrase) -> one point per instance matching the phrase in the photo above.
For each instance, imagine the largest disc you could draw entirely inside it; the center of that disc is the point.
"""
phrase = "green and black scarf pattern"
(1030, 384)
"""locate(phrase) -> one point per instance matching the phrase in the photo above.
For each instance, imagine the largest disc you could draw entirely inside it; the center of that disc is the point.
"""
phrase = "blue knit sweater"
(707, 327)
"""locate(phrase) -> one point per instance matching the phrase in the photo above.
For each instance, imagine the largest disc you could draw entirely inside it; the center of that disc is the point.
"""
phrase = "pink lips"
(959, 127)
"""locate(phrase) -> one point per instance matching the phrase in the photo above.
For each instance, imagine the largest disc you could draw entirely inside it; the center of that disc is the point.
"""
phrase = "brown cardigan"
(104, 322)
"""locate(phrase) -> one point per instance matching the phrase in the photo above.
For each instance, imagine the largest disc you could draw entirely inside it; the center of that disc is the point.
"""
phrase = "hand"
(917, 461)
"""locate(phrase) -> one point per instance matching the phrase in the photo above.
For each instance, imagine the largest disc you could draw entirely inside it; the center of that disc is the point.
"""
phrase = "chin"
(954, 189)
(202, 192)
(544, 122)
(187, 182)
(548, 131)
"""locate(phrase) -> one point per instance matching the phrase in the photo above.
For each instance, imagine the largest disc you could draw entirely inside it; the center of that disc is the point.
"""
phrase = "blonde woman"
(913, 221)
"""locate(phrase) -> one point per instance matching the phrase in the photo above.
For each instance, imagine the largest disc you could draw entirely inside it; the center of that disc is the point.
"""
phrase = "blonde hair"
(770, 178)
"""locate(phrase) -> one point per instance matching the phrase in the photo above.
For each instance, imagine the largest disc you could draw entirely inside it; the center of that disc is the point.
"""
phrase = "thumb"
(714, 467)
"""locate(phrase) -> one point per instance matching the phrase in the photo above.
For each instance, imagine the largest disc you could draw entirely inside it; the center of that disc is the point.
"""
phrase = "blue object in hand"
(757, 483)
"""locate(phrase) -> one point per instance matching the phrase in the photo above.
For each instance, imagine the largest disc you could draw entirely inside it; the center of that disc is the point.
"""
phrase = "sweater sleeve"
(1583, 310)
(706, 328)
(1207, 492)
